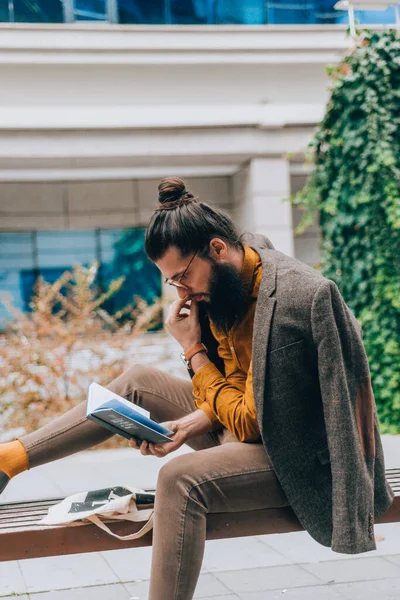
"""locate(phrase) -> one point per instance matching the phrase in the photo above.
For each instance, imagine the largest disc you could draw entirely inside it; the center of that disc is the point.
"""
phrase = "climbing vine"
(355, 190)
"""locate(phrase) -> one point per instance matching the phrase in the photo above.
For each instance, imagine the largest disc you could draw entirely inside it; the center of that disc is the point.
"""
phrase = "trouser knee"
(177, 484)
(134, 377)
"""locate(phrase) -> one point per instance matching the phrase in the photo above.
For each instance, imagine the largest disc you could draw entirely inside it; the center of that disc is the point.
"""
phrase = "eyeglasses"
(178, 283)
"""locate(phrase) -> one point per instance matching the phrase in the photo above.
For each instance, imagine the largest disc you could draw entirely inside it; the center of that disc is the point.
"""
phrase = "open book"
(122, 417)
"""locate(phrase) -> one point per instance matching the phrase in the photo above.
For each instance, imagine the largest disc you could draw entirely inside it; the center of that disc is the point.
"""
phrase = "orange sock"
(13, 458)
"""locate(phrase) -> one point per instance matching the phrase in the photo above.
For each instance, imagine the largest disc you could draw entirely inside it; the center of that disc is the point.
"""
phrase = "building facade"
(93, 114)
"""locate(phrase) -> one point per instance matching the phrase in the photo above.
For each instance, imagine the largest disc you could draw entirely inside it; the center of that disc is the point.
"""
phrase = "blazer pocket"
(292, 346)
(324, 456)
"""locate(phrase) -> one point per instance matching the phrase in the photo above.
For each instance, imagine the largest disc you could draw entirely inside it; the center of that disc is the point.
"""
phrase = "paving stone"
(240, 553)
(103, 592)
(353, 570)
(209, 586)
(395, 558)
(303, 593)
(11, 580)
(131, 564)
(139, 590)
(384, 589)
(267, 578)
(300, 547)
(31, 485)
(63, 572)
(228, 597)
(388, 538)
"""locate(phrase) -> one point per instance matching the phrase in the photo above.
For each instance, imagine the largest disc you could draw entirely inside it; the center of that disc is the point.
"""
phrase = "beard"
(228, 297)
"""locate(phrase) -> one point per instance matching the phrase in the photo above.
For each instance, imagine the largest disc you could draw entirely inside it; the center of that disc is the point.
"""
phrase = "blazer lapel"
(261, 331)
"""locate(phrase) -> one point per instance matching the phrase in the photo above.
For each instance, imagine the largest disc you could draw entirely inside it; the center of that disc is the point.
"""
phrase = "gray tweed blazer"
(315, 405)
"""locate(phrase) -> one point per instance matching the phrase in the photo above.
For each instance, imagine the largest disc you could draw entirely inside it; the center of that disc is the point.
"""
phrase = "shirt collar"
(248, 271)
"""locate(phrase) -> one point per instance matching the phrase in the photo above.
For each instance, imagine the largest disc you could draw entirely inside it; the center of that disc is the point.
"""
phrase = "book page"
(98, 395)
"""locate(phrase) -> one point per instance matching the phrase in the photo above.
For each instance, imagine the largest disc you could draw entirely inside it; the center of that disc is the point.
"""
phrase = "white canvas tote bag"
(116, 503)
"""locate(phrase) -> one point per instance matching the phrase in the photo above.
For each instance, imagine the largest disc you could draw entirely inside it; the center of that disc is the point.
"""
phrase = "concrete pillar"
(258, 191)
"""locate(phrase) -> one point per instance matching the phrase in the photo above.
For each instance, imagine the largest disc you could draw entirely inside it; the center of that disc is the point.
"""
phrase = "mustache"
(199, 295)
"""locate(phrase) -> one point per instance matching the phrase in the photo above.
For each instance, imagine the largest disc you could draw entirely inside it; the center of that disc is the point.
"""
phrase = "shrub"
(49, 356)
(355, 187)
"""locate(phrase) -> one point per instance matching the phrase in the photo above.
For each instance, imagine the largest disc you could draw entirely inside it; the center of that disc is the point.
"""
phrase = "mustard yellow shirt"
(229, 400)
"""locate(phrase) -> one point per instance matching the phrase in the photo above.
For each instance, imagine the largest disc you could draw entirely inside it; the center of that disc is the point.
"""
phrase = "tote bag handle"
(125, 538)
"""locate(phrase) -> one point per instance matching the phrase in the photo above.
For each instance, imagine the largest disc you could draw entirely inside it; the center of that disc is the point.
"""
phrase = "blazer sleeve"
(350, 415)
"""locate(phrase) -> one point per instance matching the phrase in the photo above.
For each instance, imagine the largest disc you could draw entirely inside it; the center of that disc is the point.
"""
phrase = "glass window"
(16, 256)
(90, 10)
(4, 12)
(38, 11)
(191, 12)
(25, 256)
(63, 249)
(299, 12)
(235, 12)
(123, 253)
(325, 13)
(141, 11)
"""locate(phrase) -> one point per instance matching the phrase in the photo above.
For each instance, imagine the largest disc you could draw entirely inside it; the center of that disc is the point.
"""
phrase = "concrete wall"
(307, 244)
(145, 85)
(249, 196)
(93, 204)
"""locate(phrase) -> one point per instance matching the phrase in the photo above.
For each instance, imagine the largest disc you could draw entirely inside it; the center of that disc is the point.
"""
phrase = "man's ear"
(218, 250)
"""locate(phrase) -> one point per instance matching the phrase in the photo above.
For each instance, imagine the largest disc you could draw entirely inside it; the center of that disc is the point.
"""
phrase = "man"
(283, 409)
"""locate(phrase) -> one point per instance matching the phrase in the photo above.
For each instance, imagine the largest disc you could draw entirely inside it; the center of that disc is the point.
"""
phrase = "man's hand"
(179, 437)
(184, 327)
(193, 424)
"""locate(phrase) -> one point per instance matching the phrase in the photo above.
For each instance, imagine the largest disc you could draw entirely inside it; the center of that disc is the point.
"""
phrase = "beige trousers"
(223, 475)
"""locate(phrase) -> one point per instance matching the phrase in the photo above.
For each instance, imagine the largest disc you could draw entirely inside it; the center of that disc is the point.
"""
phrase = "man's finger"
(151, 449)
(158, 450)
(144, 448)
(194, 310)
(179, 304)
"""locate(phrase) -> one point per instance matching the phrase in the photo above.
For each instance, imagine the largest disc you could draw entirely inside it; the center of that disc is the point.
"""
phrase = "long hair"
(183, 221)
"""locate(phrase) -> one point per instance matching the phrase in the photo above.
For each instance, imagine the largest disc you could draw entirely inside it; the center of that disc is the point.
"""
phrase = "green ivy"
(355, 190)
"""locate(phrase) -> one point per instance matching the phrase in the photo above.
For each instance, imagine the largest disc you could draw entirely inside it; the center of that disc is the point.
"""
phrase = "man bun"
(173, 189)
(182, 221)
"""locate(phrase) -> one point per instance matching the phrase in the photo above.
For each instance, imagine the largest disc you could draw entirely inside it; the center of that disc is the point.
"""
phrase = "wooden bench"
(21, 535)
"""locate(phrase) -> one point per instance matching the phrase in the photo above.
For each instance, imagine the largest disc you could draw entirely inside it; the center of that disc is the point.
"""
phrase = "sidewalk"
(280, 566)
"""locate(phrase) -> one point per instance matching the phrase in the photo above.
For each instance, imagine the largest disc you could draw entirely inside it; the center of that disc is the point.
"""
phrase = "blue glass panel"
(191, 12)
(28, 279)
(122, 253)
(90, 10)
(141, 11)
(283, 12)
(16, 253)
(235, 12)
(60, 248)
(4, 14)
(38, 11)
(325, 14)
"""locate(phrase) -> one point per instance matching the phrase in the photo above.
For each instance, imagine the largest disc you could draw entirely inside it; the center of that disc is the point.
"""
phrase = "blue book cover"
(122, 417)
